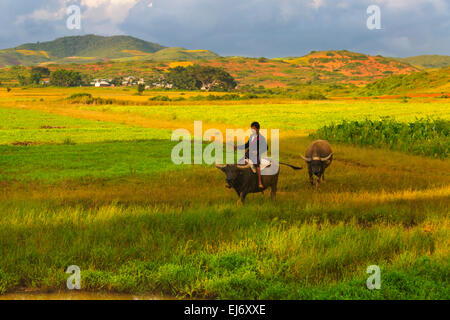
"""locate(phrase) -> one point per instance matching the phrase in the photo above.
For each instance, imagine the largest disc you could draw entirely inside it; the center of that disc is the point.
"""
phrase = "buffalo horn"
(306, 159)
(327, 158)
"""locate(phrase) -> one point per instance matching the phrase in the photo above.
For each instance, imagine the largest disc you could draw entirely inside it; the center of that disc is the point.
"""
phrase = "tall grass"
(135, 222)
(423, 137)
(219, 251)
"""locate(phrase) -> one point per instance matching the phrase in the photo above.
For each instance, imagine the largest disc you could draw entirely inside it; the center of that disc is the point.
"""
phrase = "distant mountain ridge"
(427, 61)
(111, 57)
(434, 81)
(93, 48)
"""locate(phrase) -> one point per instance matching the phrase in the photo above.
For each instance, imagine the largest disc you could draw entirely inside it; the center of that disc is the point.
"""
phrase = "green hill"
(419, 82)
(174, 54)
(11, 57)
(427, 61)
(92, 48)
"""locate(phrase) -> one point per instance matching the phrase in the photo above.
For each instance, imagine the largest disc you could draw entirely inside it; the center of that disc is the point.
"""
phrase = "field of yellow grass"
(34, 53)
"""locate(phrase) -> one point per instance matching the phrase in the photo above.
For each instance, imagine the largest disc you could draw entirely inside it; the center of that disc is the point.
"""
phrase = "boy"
(255, 146)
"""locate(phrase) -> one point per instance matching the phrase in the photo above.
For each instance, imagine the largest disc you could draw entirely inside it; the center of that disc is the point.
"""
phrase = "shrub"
(312, 95)
(80, 95)
(160, 98)
(86, 98)
(423, 136)
(213, 97)
(140, 88)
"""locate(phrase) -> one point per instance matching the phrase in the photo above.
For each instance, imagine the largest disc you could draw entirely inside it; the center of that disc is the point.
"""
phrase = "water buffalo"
(318, 157)
(243, 180)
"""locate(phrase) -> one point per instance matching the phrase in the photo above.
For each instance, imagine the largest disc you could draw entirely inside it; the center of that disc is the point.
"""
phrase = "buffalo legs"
(242, 197)
(311, 176)
(273, 192)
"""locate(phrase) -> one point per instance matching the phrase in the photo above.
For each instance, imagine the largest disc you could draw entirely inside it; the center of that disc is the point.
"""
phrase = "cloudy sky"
(270, 28)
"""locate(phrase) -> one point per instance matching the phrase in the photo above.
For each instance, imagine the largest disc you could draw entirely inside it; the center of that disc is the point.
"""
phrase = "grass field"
(94, 186)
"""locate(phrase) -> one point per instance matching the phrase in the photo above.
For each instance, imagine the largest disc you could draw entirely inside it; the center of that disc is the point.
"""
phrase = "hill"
(247, 71)
(92, 49)
(424, 82)
(318, 67)
(427, 61)
(111, 57)
(91, 46)
(359, 68)
(172, 54)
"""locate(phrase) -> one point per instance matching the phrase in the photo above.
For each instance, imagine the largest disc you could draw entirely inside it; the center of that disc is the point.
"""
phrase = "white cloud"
(316, 4)
(116, 11)
(45, 14)
(98, 16)
(412, 4)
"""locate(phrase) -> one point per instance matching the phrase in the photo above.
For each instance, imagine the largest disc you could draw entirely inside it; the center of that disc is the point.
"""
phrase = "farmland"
(94, 185)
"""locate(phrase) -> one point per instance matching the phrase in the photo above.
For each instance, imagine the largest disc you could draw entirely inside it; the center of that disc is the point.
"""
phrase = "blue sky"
(270, 28)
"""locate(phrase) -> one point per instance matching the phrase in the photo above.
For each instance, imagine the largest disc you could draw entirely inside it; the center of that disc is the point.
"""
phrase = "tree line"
(193, 77)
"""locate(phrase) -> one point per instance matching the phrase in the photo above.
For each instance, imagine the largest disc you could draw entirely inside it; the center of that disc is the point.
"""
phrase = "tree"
(213, 78)
(116, 81)
(140, 88)
(37, 73)
(23, 81)
(64, 78)
(181, 78)
(201, 77)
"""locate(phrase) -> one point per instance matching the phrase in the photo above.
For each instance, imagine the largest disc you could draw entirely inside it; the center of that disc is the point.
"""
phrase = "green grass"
(114, 204)
(30, 126)
(221, 251)
(299, 116)
(89, 161)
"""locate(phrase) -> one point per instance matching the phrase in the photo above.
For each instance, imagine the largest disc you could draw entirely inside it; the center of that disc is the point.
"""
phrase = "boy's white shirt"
(264, 163)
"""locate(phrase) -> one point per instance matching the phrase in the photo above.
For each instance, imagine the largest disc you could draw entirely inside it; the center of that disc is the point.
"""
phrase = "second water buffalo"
(318, 157)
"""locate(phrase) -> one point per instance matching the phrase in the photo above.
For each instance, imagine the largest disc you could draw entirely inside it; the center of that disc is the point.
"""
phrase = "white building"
(102, 83)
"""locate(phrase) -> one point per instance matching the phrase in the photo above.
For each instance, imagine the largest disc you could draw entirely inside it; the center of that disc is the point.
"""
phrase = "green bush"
(423, 137)
(160, 98)
(79, 96)
(213, 97)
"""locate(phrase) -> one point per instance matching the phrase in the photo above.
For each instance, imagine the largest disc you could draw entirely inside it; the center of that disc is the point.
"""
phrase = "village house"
(129, 81)
(102, 83)
(162, 85)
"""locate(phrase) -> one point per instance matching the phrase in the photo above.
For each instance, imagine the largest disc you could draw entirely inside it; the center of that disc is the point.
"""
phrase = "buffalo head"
(316, 167)
(232, 172)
